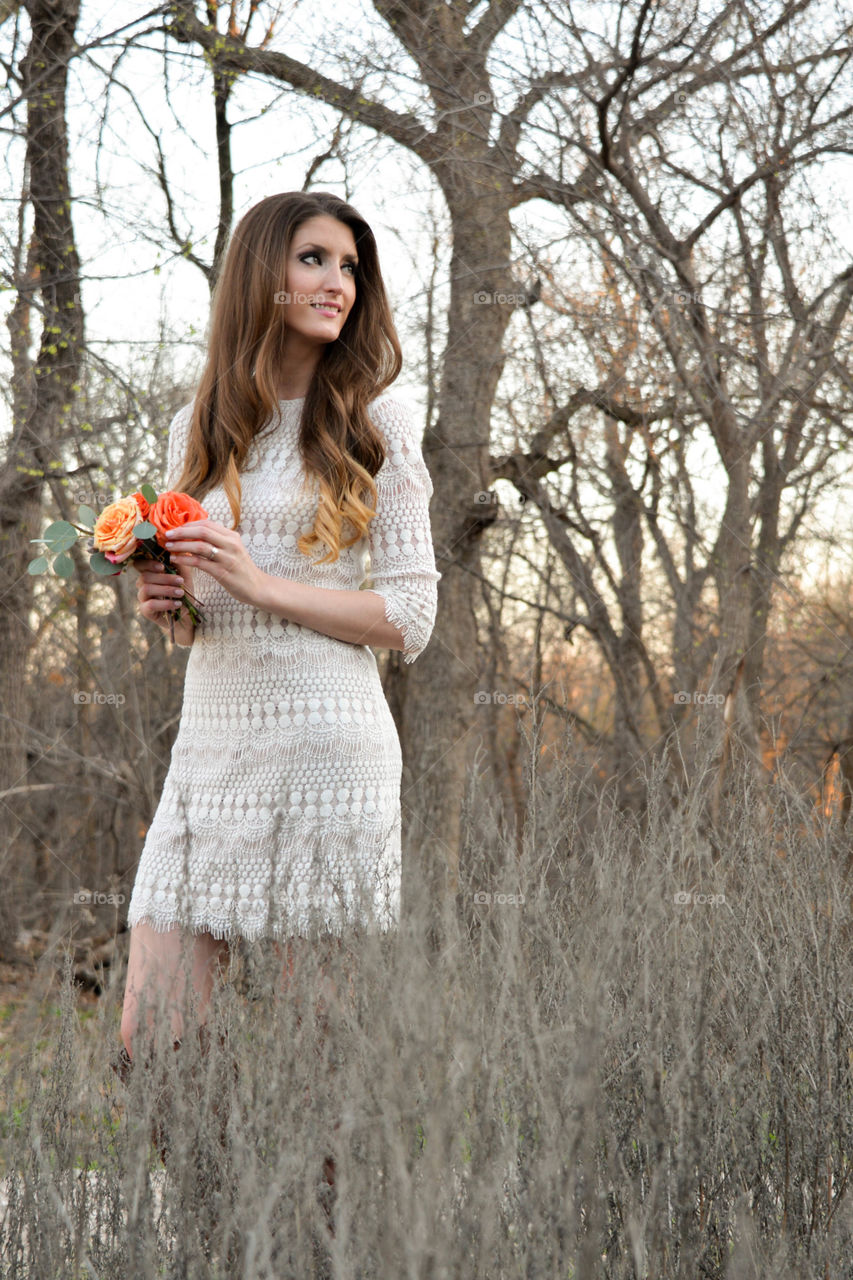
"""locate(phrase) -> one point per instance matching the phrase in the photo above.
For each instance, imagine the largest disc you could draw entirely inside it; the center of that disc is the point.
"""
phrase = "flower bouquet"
(133, 528)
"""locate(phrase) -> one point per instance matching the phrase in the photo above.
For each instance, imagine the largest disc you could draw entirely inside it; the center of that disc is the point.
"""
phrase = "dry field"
(633, 1061)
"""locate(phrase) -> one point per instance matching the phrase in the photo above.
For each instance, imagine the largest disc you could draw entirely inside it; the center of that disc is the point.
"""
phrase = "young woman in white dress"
(281, 807)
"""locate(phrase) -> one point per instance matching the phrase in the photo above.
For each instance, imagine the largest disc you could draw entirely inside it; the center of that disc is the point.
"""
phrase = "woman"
(280, 811)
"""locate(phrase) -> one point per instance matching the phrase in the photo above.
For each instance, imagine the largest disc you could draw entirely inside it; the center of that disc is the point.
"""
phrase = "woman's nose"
(334, 280)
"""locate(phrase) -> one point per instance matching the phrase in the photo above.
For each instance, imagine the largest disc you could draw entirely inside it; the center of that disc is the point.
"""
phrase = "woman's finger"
(159, 586)
(159, 604)
(193, 549)
(158, 611)
(159, 591)
(163, 579)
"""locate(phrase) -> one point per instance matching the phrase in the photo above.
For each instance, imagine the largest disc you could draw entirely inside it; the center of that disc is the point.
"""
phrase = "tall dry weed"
(630, 1059)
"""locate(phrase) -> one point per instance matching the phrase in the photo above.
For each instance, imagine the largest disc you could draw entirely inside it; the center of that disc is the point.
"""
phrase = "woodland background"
(626, 318)
(617, 1040)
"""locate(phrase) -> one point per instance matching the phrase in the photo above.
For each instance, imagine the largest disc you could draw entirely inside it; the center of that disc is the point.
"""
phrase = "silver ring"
(212, 555)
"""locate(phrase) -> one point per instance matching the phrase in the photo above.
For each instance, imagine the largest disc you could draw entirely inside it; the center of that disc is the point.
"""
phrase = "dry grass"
(601, 1081)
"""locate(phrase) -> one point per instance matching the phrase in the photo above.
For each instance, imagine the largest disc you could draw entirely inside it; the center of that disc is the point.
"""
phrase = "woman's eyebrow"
(350, 257)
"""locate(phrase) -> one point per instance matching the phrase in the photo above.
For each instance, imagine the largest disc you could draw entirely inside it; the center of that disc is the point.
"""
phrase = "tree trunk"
(741, 754)
(42, 392)
(628, 537)
(438, 723)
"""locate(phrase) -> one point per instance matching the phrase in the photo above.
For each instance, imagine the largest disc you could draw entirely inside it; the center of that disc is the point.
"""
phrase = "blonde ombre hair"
(237, 396)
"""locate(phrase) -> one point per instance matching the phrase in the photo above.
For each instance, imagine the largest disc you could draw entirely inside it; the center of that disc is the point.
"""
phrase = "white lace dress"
(280, 811)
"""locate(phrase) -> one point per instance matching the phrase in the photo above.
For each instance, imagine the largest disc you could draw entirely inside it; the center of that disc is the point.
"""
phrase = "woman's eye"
(305, 256)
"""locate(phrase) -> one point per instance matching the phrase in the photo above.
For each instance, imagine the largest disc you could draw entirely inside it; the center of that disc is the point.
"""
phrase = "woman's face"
(320, 279)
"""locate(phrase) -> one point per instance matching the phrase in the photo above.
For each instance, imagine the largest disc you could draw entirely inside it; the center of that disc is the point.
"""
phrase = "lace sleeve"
(177, 447)
(402, 559)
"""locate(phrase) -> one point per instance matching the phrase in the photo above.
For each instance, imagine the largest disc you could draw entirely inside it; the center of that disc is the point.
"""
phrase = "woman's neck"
(291, 391)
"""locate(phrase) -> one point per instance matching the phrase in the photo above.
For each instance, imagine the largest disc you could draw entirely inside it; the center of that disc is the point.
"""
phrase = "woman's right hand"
(159, 595)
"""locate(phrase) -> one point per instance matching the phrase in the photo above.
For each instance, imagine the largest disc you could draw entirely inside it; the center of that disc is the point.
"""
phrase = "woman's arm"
(403, 574)
(397, 611)
(357, 617)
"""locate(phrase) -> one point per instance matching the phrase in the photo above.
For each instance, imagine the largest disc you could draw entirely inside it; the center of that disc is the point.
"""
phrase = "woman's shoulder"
(179, 425)
(183, 416)
(394, 417)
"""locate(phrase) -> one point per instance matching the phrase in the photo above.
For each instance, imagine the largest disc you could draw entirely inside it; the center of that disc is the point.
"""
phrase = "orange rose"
(171, 510)
(113, 530)
(143, 504)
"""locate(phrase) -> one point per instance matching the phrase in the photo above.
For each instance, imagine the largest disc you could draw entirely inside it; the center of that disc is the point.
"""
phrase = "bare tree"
(676, 150)
(600, 117)
(722, 341)
(434, 703)
(43, 388)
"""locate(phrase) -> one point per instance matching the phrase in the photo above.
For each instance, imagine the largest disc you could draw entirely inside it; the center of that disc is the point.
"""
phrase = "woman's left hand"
(209, 545)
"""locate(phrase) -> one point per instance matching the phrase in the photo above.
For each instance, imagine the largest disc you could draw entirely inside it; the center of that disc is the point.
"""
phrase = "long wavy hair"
(237, 396)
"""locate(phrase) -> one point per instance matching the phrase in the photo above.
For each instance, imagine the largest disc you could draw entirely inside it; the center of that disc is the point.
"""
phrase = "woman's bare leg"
(157, 967)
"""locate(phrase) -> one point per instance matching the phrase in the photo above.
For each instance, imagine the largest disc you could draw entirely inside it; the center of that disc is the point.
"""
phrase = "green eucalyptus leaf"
(39, 565)
(86, 514)
(56, 528)
(102, 566)
(59, 536)
(148, 492)
(63, 566)
(145, 529)
(64, 541)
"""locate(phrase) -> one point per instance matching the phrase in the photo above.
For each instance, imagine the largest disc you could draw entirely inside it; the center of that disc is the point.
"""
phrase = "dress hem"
(162, 923)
